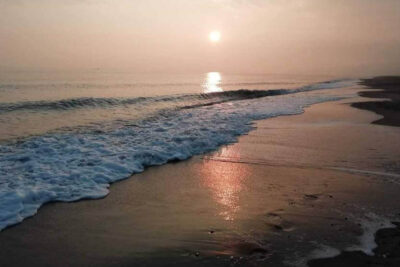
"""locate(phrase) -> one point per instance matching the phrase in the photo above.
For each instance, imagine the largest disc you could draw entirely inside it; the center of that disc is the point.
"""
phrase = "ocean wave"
(197, 99)
(70, 166)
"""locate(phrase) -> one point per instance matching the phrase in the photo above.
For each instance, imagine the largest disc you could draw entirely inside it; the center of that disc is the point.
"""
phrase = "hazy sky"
(351, 37)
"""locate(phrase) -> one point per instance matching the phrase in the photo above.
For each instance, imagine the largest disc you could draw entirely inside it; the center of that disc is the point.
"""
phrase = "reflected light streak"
(226, 182)
(211, 84)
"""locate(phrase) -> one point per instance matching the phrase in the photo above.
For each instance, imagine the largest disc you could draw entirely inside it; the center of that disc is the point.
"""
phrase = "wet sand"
(292, 186)
(387, 250)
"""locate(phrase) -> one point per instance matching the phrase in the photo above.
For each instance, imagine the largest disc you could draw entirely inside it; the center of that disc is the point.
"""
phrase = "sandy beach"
(295, 188)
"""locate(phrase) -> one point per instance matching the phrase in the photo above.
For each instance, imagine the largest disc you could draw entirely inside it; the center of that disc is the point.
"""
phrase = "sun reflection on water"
(226, 182)
(211, 83)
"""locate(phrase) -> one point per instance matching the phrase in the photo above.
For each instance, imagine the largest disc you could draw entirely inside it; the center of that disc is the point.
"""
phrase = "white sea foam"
(370, 224)
(75, 165)
(323, 251)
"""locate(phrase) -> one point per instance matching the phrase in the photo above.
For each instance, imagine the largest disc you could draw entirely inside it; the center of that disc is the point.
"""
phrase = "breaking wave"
(196, 99)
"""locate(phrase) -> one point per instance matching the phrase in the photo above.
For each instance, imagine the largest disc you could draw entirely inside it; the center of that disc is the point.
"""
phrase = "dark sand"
(389, 109)
(294, 184)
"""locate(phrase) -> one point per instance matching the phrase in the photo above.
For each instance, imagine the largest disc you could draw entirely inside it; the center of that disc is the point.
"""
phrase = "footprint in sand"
(275, 222)
(311, 196)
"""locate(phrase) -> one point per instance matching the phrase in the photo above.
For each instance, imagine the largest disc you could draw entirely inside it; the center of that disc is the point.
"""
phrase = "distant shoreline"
(389, 109)
(385, 254)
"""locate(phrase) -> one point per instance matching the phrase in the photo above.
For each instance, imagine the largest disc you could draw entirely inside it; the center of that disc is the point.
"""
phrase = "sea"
(66, 136)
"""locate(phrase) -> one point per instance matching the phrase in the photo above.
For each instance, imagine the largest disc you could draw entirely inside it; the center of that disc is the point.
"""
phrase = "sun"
(214, 36)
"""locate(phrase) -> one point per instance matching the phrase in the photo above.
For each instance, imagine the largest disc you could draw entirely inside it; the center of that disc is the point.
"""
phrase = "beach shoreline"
(199, 133)
(281, 191)
(387, 91)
